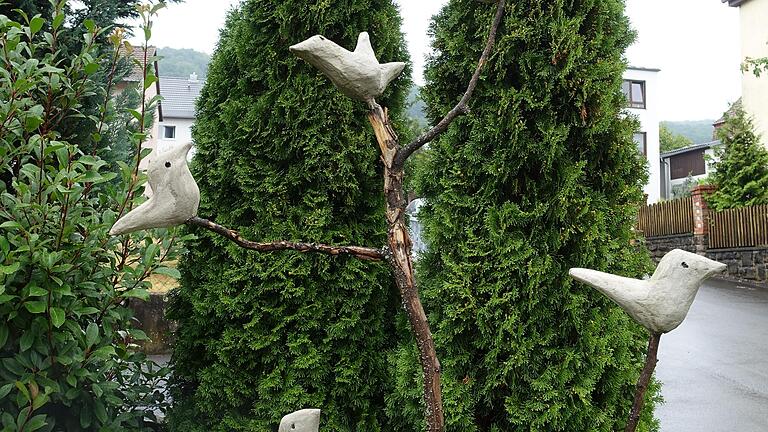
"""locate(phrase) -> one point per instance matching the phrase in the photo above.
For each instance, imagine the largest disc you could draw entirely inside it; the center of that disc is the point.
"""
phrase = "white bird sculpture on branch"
(175, 195)
(662, 302)
(357, 74)
(306, 420)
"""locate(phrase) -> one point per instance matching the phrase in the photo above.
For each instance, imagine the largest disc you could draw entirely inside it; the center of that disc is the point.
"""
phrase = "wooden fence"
(742, 227)
(666, 218)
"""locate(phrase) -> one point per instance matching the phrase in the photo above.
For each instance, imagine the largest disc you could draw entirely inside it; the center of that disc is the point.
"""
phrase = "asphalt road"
(715, 365)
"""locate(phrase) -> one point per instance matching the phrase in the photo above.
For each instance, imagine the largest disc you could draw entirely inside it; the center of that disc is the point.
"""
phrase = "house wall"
(649, 123)
(709, 162)
(183, 132)
(754, 44)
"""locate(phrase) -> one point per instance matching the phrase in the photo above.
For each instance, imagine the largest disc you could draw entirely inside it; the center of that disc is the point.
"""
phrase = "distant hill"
(416, 106)
(698, 131)
(183, 62)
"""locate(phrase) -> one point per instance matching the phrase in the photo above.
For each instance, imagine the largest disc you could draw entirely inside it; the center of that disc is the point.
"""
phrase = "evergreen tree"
(741, 165)
(282, 154)
(540, 177)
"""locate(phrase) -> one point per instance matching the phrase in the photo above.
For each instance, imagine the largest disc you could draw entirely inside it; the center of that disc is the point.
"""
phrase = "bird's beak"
(717, 268)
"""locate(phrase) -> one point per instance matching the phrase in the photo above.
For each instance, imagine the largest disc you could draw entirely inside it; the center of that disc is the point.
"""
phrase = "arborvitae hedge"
(282, 154)
(540, 177)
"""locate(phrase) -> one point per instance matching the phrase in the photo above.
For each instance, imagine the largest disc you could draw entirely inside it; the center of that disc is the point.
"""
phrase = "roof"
(702, 146)
(179, 96)
(730, 113)
(646, 69)
(734, 3)
(137, 71)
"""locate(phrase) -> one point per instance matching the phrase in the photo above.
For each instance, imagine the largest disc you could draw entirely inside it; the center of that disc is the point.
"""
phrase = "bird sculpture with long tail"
(357, 74)
(175, 195)
(660, 304)
(306, 420)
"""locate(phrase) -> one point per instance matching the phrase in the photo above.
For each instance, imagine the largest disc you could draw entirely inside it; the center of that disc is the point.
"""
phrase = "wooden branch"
(642, 384)
(461, 107)
(364, 253)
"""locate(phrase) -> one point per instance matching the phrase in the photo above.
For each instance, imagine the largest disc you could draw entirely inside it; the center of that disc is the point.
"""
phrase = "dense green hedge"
(282, 154)
(541, 177)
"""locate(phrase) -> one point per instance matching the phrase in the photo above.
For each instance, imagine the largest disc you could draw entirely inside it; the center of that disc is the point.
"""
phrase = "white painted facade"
(182, 128)
(754, 44)
(649, 126)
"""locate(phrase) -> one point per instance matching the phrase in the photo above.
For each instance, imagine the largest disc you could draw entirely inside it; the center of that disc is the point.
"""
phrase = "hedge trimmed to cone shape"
(541, 176)
(282, 154)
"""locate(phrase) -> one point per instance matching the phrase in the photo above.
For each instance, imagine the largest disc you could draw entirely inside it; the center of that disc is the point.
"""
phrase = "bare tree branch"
(364, 253)
(461, 107)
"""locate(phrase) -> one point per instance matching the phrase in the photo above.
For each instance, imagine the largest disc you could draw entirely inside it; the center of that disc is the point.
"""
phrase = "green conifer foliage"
(540, 177)
(282, 154)
(741, 167)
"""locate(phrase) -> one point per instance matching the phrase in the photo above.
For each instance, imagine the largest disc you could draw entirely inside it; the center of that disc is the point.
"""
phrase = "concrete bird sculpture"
(357, 74)
(175, 196)
(660, 303)
(306, 420)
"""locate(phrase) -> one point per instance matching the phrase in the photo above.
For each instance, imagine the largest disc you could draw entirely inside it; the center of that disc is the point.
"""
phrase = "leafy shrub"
(67, 352)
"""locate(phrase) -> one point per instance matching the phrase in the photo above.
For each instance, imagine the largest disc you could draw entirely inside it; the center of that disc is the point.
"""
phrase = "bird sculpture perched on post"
(306, 420)
(659, 304)
(175, 195)
(358, 74)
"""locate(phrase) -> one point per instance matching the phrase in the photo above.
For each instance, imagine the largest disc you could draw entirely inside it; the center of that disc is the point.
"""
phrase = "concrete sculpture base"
(306, 420)
(357, 74)
(175, 195)
(660, 303)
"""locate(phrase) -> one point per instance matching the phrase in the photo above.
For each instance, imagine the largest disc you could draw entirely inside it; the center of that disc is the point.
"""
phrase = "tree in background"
(740, 166)
(282, 154)
(542, 176)
(183, 62)
(671, 141)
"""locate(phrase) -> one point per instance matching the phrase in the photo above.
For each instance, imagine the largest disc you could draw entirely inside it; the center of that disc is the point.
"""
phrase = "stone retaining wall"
(659, 246)
(151, 318)
(743, 263)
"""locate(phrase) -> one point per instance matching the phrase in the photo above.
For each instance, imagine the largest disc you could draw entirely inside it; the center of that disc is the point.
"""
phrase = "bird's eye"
(293, 425)
(167, 164)
(684, 264)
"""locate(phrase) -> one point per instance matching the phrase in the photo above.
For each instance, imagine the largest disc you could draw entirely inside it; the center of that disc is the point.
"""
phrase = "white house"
(754, 44)
(178, 110)
(642, 93)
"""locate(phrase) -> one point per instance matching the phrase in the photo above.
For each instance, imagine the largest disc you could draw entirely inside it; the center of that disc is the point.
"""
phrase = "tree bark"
(642, 384)
(400, 258)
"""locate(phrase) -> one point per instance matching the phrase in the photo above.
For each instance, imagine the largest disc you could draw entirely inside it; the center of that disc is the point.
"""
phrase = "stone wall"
(151, 318)
(659, 246)
(743, 263)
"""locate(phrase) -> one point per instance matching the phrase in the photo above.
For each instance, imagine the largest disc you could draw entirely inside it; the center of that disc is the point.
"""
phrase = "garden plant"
(68, 353)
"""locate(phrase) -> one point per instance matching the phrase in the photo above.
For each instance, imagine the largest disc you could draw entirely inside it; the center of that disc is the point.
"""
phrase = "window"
(169, 132)
(641, 143)
(635, 93)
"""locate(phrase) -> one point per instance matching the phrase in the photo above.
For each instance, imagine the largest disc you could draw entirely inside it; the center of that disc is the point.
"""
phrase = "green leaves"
(65, 331)
(540, 177)
(282, 154)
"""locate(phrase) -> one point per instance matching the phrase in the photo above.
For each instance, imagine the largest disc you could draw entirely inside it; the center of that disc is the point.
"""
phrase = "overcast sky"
(694, 42)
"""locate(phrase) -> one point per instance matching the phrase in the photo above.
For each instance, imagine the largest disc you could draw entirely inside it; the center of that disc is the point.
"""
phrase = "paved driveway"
(715, 365)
